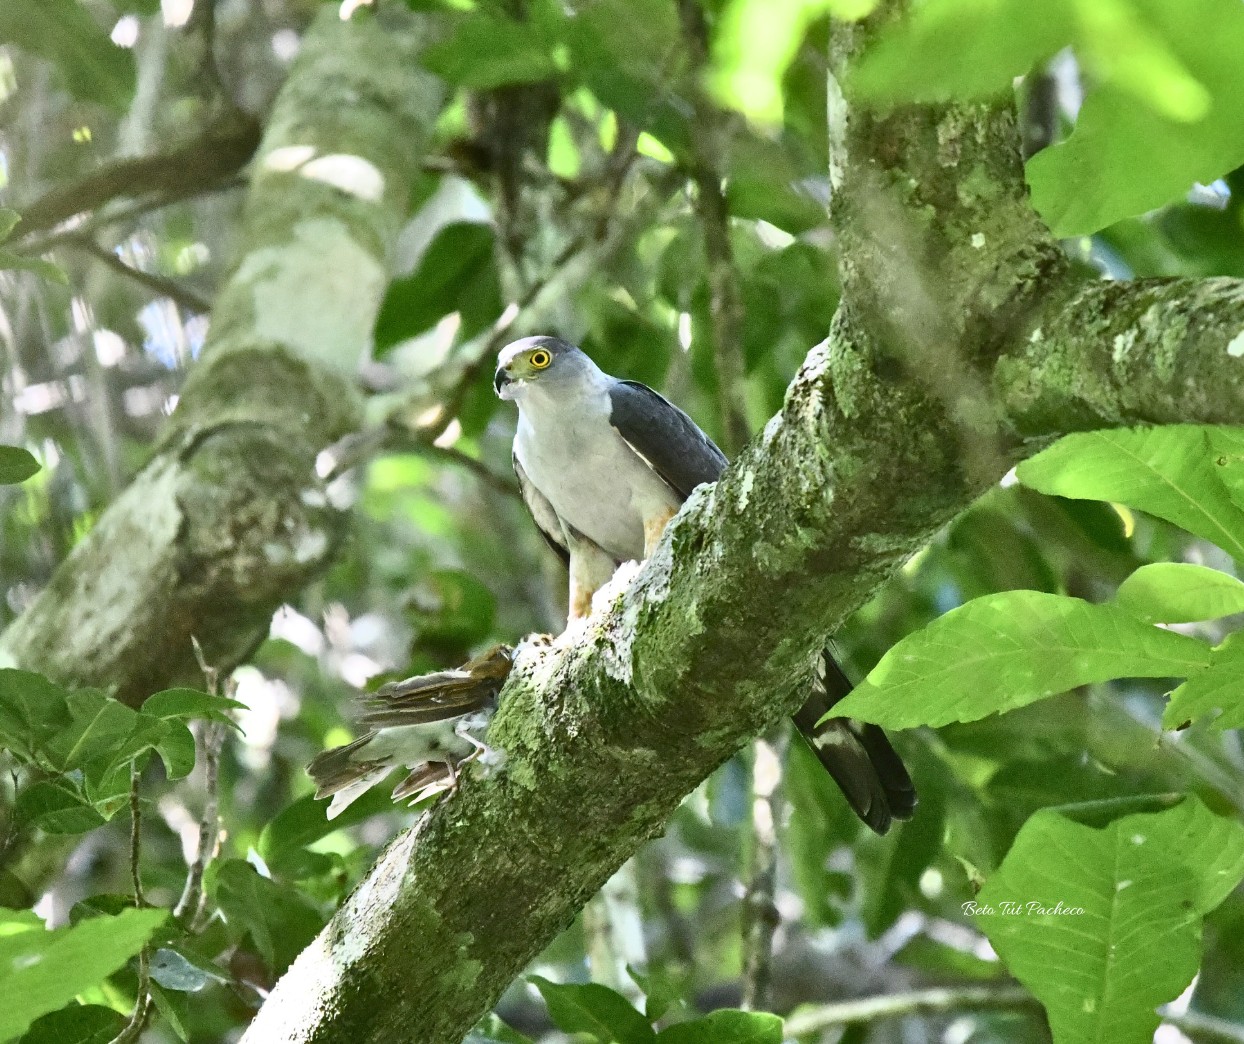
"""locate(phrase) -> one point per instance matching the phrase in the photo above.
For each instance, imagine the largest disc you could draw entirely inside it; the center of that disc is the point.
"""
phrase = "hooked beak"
(501, 381)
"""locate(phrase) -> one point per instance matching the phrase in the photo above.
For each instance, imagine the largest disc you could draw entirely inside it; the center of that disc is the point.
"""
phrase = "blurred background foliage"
(572, 174)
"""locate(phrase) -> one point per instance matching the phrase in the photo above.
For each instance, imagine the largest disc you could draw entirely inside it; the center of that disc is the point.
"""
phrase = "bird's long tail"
(859, 756)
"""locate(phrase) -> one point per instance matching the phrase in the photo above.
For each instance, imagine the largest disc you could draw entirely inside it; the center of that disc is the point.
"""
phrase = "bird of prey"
(603, 465)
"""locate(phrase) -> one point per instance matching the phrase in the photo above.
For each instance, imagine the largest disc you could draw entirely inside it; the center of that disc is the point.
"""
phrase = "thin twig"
(956, 999)
(760, 913)
(33, 244)
(190, 906)
(183, 295)
(135, 836)
(477, 467)
(142, 999)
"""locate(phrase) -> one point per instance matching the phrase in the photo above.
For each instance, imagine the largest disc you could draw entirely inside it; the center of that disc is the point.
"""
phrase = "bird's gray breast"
(595, 482)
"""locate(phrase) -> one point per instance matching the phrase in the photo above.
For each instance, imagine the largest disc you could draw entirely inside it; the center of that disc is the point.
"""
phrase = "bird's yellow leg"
(654, 526)
(580, 598)
(590, 570)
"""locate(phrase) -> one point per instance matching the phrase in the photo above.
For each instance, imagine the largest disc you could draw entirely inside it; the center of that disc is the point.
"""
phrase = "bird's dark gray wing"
(542, 512)
(670, 441)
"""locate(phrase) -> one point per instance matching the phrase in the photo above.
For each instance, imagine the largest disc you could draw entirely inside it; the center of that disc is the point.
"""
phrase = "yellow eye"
(540, 359)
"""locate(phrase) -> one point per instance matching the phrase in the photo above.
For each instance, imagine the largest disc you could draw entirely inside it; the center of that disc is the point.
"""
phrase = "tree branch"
(952, 1000)
(185, 296)
(200, 165)
(916, 403)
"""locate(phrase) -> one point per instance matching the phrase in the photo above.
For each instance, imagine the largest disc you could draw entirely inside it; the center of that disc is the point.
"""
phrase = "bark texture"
(229, 519)
(963, 343)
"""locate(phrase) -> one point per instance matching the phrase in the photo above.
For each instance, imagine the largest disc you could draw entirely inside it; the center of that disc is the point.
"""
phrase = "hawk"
(603, 465)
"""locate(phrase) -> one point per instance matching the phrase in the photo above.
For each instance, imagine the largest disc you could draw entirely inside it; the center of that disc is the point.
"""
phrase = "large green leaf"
(1170, 472)
(487, 51)
(457, 273)
(1164, 111)
(947, 49)
(32, 711)
(183, 704)
(93, 67)
(58, 806)
(279, 920)
(1126, 157)
(1179, 592)
(1220, 688)
(1006, 650)
(76, 1024)
(755, 43)
(41, 971)
(16, 465)
(596, 1010)
(1104, 924)
(726, 1027)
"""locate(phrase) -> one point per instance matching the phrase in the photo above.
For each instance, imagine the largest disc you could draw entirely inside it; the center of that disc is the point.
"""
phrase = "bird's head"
(536, 360)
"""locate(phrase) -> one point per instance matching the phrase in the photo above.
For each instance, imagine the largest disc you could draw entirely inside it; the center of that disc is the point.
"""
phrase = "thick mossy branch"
(229, 519)
(1156, 351)
(930, 386)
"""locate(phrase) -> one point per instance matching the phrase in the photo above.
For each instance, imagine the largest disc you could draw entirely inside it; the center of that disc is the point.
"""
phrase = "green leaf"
(8, 222)
(94, 68)
(41, 971)
(1177, 592)
(1116, 925)
(494, 1031)
(176, 748)
(24, 263)
(624, 52)
(661, 991)
(279, 920)
(191, 703)
(76, 1024)
(284, 840)
(593, 1009)
(457, 273)
(487, 51)
(58, 806)
(1163, 113)
(172, 1009)
(948, 49)
(16, 465)
(726, 1027)
(185, 973)
(755, 44)
(1169, 472)
(103, 736)
(1228, 449)
(1127, 157)
(1220, 688)
(32, 711)
(1003, 651)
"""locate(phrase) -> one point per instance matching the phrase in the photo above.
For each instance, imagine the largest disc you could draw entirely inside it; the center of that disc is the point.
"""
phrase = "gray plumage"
(603, 464)
(667, 440)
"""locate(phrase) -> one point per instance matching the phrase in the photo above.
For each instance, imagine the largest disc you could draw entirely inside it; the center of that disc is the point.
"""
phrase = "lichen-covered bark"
(962, 343)
(229, 519)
